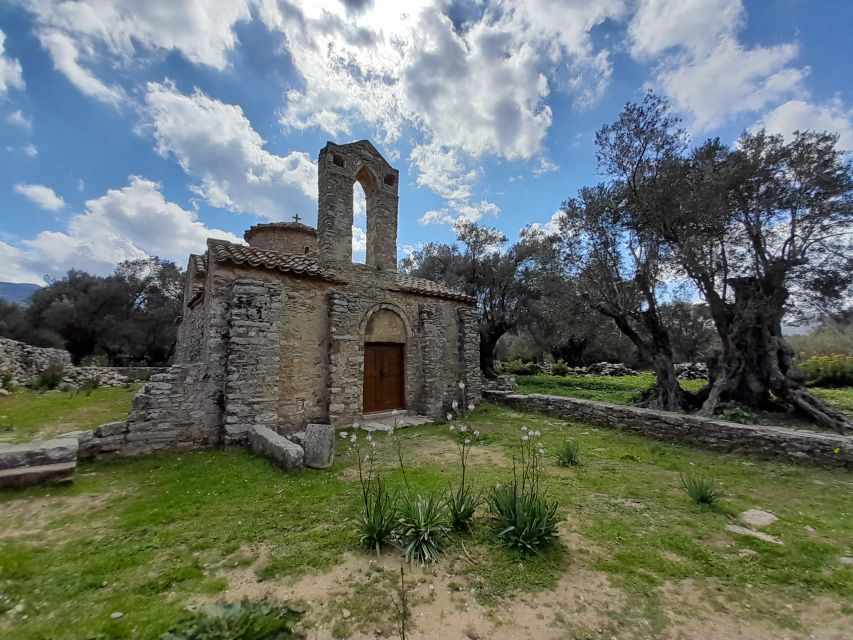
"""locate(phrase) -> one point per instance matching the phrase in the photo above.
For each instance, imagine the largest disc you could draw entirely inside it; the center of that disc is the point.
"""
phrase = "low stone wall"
(25, 362)
(176, 410)
(769, 442)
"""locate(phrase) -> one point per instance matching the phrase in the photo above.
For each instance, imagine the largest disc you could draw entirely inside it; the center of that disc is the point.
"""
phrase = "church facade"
(287, 331)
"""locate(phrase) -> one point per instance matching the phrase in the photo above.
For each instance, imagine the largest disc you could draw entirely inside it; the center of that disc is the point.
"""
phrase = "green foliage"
(88, 386)
(461, 506)
(834, 370)
(569, 454)
(244, 620)
(615, 389)
(50, 377)
(424, 524)
(517, 367)
(734, 412)
(378, 516)
(700, 489)
(6, 381)
(559, 368)
(524, 518)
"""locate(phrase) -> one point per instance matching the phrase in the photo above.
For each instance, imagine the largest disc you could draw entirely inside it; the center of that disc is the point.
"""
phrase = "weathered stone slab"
(757, 518)
(278, 449)
(743, 531)
(110, 429)
(87, 445)
(28, 476)
(319, 446)
(46, 452)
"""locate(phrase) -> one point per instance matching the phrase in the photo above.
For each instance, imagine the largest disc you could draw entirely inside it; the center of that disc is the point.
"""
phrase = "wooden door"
(384, 380)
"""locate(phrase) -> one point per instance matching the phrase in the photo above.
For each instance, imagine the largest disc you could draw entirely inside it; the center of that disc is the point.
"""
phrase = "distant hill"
(17, 292)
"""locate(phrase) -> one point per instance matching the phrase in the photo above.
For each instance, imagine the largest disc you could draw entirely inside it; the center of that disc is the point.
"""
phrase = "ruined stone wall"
(254, 358)
(25, 362)
(176, 410)
(719, 435)
(190, 345)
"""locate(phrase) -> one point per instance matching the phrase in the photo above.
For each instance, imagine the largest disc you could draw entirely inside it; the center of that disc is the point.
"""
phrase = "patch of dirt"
(695, 613)
(34, 516)
(583, 603)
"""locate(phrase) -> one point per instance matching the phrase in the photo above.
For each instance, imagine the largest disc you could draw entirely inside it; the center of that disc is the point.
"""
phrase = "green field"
(147, 537)
(626, 389)
(27, 415)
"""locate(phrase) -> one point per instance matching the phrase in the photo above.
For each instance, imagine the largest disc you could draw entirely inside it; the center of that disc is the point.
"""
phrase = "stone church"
(289, 331)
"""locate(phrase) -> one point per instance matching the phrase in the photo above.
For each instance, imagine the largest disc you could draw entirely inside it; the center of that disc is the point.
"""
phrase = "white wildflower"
(471, 407)
(395, 412)
(344, 435)
(449, 416)
(525, 437)
(452, 428)
(353, 438)
(461, 385)
(477, 433)
(524, 428)
(463, 429)
(455, 405)
(467, 441)
(370, 437)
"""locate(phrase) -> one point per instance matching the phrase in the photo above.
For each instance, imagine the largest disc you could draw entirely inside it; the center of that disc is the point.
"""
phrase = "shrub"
(519, 368)
(828, 371)
(569, 454)
(700, 489)
(524, 518)
(461, 506)
(50, 377)
(244, 620)
(375, 524)
(6, 381)
(734, 412)
(423, 525)
(88, 386)
(559, 368)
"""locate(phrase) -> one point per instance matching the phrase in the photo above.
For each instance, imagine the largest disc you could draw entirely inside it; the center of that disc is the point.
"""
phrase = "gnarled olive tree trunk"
(754, 366)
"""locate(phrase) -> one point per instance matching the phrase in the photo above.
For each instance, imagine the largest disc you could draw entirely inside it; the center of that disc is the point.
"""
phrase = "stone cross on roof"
(296, 218)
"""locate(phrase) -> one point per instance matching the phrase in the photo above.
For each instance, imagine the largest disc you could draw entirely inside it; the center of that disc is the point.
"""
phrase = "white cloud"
(79, 34)
(359, 244)
(12, 268)
(18, 119)
(550, 227)
(703, 66)
(41, 196)
(31, 150)
(11, 74)
(65, 54)
(465, 211)
(123, 224)
(469, 90)
(215, 142)
(802, 115)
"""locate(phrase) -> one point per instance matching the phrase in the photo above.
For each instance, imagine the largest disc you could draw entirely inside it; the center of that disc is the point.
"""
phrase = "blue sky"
(141, 127)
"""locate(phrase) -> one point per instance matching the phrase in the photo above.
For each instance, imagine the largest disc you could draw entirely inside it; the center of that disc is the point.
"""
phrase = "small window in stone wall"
(307, 250)
(390, 179)
(338, 160)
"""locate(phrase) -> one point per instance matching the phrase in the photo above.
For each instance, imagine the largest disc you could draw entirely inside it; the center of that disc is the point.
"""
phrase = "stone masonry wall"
(25, 362)
(252, 375)
(765, 441)
(175, 410)
(469, 353)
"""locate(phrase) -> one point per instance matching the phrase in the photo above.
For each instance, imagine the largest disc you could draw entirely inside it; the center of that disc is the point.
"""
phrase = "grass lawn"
(626, 389)
(147, 537)
(27, 415)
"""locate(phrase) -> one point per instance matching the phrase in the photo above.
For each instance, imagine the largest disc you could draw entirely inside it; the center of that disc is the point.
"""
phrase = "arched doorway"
(384, 362)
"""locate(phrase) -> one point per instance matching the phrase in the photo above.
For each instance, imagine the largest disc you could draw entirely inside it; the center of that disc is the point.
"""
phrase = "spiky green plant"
(423, 525)
(244, 620)
(378, 517)
(700, 489)
(569, 454)
(525, 519)
(461, 504)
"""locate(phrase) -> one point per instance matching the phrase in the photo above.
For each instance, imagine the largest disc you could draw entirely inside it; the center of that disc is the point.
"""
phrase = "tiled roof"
(200, 263)
(430, 288)
(224, 251)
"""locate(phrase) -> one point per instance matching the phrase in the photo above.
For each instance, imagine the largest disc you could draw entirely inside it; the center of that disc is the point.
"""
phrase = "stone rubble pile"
(691, 370)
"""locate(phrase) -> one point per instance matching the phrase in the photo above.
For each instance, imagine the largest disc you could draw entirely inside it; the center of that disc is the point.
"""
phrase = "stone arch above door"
(385, 323)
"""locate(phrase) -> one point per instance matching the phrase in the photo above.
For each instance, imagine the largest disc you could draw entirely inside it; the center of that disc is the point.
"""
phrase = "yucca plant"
(423, 525)
(461, 506)
(700, 489)
(244, 620)
(569, 454)
(525, 520)
(378, 517)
